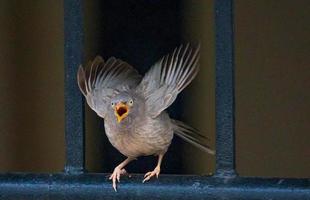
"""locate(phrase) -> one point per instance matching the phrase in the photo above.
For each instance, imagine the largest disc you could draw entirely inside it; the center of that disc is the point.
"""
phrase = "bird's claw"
(116, 175)
(149, 175)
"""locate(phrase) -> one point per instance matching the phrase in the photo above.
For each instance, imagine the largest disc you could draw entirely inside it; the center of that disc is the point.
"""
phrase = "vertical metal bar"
(74, 107)
(225, 111)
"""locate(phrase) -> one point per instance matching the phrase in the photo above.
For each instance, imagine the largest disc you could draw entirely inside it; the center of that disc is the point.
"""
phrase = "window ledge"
(97, 186)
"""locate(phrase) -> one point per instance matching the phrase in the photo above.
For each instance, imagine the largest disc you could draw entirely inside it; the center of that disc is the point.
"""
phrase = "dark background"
(272, 46)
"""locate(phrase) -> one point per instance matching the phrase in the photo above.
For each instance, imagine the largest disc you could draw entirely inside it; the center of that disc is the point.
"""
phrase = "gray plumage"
(133, 108)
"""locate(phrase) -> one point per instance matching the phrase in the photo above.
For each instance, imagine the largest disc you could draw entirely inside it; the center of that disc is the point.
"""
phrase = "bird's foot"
(116, 175)
(149, 175)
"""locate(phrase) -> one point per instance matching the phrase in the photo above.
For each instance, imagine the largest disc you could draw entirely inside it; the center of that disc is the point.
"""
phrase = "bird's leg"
(156, 171)
(118, 171)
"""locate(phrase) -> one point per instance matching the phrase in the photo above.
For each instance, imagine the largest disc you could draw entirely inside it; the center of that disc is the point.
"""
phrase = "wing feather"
(168, 77)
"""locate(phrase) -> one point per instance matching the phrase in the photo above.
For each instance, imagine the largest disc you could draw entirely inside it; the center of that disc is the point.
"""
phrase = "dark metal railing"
(224, 91)
(74, 104)
(75, 183)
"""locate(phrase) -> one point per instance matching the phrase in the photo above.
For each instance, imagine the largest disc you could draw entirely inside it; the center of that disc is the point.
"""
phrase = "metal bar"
(225, 113)
(96, 186)
(74, 106)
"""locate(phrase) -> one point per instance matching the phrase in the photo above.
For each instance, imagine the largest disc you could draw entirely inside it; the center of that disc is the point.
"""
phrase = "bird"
(134, 107)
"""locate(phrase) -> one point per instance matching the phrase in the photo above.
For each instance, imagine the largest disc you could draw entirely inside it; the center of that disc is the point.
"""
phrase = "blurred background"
(272, 46)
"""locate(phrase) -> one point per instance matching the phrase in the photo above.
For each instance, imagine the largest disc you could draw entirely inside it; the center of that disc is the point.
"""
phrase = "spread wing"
(100, 80)
(168, 77)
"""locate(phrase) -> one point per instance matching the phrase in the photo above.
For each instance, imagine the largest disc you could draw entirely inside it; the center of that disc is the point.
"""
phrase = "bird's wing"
(100, 80)
(168, 77)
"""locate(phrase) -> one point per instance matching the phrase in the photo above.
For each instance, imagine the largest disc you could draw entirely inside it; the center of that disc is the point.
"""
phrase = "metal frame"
(75, 183)
(74, 104)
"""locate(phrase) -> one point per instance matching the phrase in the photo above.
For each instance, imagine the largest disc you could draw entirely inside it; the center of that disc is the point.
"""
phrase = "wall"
(272, 88)
(199, 98)
(31, 85)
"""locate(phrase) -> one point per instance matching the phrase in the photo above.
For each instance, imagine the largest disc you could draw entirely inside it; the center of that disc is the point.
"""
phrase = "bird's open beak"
(121, 111)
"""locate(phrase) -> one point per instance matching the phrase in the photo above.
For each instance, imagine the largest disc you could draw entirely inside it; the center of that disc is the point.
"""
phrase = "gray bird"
(133, 108)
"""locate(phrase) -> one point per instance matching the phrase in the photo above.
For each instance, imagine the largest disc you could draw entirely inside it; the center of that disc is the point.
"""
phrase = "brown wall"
(95, 138)
(272, 87)
(31, 86)
(199, 101)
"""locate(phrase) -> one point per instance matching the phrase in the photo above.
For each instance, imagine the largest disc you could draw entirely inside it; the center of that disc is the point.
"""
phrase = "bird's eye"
(112, 104)
(130, 102)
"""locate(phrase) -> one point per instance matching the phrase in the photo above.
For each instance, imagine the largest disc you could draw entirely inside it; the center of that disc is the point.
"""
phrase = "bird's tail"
(192, 136)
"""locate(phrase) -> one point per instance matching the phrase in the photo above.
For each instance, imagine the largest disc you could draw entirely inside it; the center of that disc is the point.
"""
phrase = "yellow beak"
(121, 111)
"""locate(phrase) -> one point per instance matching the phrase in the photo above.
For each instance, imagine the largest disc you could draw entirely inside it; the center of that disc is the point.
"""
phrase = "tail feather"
(192, 136)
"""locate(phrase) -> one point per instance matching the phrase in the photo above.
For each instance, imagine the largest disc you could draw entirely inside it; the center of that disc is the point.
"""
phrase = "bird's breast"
(144, 138)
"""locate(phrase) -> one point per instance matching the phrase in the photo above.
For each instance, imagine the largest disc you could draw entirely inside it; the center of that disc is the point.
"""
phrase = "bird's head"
(123, 106)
